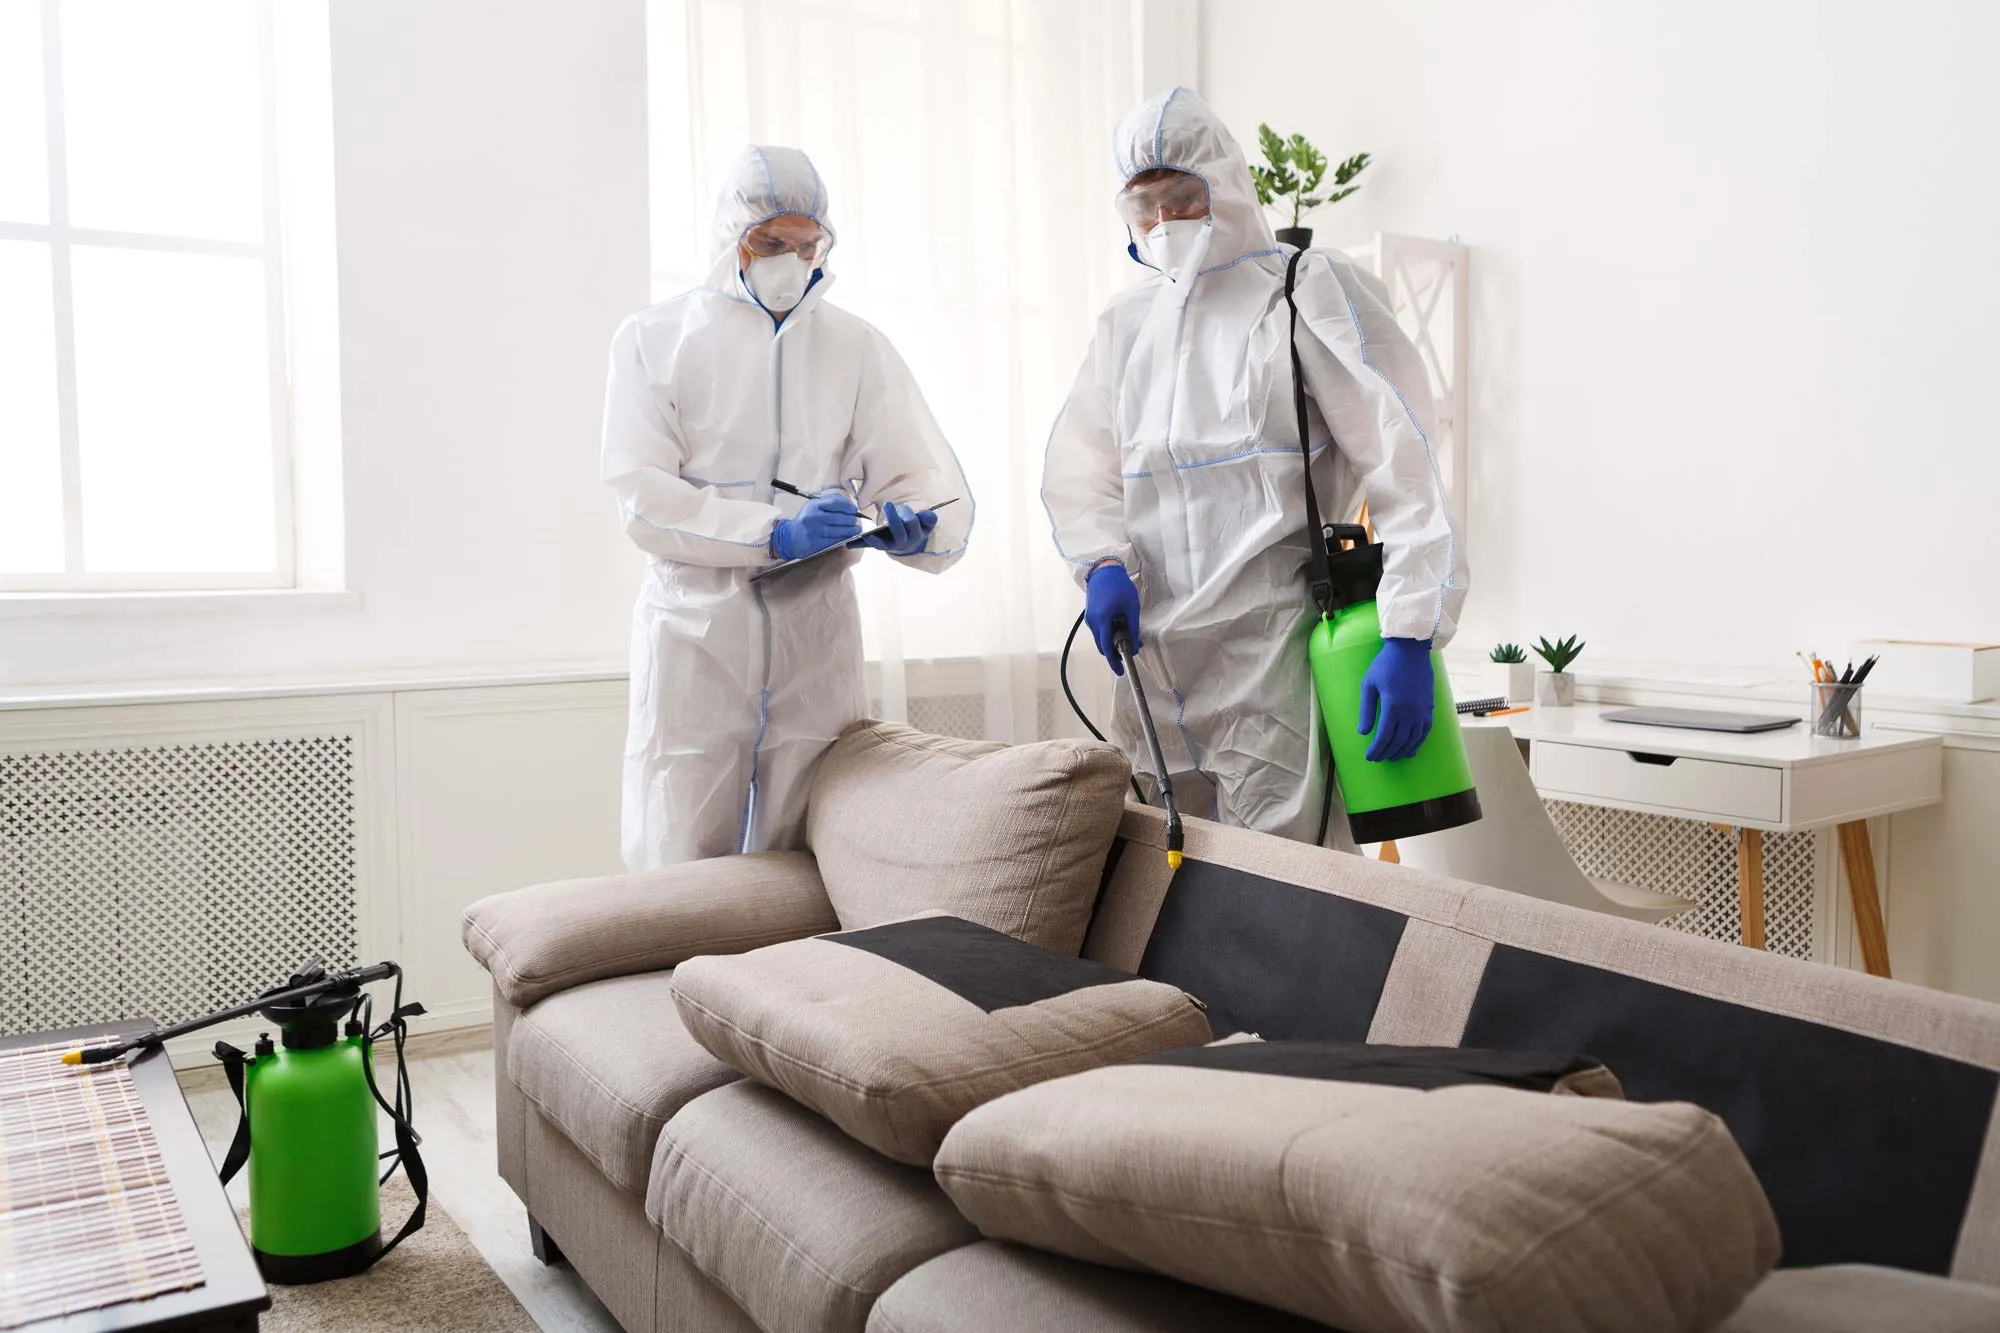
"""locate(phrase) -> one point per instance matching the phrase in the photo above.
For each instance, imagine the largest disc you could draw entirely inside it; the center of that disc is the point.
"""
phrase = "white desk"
(1774, 781)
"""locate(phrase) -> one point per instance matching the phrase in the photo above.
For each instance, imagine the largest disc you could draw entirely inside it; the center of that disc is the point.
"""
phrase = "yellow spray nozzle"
(73, 1058)
(1173, 861)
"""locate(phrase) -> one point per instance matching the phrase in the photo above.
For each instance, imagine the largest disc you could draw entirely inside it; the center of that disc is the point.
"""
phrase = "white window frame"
(62, 238)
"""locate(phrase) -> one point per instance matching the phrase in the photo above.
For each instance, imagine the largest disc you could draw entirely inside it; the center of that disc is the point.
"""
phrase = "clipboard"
(784, 566)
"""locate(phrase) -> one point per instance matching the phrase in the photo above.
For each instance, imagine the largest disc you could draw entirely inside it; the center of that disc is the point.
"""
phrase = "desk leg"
(1750, 885)
(1857, 851)
(1389, 853)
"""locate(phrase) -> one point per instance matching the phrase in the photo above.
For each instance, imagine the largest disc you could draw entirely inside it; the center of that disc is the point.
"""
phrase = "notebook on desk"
(1699, 719)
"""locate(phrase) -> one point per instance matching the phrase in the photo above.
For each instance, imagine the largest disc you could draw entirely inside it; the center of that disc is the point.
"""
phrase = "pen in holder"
(1836, 709)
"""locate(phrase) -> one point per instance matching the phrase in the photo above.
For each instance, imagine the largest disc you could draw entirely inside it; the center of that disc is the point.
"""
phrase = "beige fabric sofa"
(1865, 1106)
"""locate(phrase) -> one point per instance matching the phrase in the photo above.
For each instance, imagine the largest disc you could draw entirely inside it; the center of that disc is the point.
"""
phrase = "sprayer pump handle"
(1336, 533)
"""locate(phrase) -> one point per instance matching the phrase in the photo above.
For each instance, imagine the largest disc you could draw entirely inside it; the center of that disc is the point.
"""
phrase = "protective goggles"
(1170, 197)
(788, 233)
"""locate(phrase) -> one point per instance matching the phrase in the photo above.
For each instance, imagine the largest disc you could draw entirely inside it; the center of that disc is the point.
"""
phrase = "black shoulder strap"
(420, 1182)
(399, 1111)
(239, 1146)
(1320, 572)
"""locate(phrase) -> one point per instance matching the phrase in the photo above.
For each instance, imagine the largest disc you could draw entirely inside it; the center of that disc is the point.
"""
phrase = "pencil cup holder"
(1836, 710)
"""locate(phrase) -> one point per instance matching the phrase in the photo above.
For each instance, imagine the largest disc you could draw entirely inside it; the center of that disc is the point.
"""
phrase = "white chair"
(1515, 845)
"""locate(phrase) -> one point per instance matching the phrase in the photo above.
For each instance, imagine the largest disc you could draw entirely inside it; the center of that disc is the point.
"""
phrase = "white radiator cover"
(171, 879)
(964, 715)
(1695, 860)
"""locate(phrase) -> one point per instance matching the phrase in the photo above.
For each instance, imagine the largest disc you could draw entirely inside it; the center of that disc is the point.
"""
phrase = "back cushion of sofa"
(1866, 1108)
(1010, 837)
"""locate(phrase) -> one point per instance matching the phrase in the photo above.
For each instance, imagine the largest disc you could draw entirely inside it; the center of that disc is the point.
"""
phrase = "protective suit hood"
(1176, 129)
(764, 182)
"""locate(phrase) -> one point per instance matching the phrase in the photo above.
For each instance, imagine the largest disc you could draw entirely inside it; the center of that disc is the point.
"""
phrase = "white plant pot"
(1512, 681)
(1555, 689)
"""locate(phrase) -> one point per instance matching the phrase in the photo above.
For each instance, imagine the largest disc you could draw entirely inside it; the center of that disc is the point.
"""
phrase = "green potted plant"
(1556, 688)
(1513, 679)
(1293, 170)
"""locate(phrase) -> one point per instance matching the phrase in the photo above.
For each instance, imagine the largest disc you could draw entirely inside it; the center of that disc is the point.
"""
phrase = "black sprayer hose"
(1062, 673)
(1325, 800)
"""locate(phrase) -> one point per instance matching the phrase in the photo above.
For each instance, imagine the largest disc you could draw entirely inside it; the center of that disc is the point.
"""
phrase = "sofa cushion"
(896, 1031)
(799, 1224)
(609, 1063)
(1862, 1298)
(540, 940)
(1373, 1207)
(1012, 837)
(995, 1288)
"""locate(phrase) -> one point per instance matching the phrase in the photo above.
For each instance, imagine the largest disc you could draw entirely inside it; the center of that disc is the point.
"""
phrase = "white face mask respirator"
(779, 281)
(1169, 244)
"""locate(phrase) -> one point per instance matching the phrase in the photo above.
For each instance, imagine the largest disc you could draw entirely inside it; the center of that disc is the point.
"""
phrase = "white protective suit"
(737, 689)
(1178, 454)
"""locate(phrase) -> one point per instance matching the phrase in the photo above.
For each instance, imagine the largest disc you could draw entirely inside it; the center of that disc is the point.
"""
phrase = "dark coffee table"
(233, 1294)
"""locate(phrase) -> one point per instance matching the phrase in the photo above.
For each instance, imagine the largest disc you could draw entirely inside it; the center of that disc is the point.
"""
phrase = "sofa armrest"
(537, 941)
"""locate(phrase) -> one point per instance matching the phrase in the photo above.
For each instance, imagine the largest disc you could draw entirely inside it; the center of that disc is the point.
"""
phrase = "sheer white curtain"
(965, 148)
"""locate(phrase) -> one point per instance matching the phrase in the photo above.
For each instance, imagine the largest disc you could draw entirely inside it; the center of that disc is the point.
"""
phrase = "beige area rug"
(434, 1282)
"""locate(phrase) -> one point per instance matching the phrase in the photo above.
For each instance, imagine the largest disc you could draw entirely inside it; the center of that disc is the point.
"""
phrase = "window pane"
(31, 517)
(24, 158)
(161, 114)
(173, 413)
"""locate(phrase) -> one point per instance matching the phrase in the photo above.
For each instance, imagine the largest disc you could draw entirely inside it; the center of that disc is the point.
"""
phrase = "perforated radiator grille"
(1695, 860)
(964, 715)
(170, 880)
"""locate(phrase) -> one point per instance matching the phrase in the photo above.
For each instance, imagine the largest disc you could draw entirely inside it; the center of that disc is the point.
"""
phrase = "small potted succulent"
(1295, 169)
(1556, 688)
(1513, 679)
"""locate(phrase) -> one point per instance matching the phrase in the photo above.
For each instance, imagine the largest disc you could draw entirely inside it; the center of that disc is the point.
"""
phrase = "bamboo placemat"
(87, 1216)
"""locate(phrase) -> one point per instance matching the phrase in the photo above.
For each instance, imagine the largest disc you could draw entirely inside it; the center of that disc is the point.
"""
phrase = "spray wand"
(311, 981)
(1122, 641)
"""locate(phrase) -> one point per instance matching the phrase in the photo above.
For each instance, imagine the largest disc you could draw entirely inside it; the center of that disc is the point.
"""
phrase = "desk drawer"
(1708, 787)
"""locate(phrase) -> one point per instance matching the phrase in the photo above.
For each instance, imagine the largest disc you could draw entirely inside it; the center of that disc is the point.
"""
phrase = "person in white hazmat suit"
(1175, 485)
(738, 688)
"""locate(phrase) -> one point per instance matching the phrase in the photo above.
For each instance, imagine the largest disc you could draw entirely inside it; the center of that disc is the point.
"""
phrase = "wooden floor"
(452, 1078)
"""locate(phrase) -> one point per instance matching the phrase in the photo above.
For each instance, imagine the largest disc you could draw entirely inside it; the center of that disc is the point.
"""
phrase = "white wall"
(1733, 291)
(489, 173)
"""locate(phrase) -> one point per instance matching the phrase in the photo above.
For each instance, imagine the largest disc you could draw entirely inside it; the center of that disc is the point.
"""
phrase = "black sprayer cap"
(1356, 570)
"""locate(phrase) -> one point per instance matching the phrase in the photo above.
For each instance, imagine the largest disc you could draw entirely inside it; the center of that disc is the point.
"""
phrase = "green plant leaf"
(1508, 652)
(1261, 178)
(1339, 195)
(1273, 146)
(1311, 162)
(1351, 168)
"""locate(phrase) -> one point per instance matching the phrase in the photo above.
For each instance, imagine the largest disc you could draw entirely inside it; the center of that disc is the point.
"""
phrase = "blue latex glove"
(1108, 596)
(825, 520)
(909, 530)
(1400, 692)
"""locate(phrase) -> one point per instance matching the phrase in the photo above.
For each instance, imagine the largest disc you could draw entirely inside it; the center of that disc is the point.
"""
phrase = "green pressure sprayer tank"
(315, 1205)
(1430, 790)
